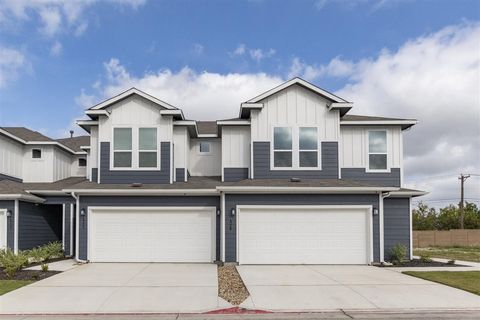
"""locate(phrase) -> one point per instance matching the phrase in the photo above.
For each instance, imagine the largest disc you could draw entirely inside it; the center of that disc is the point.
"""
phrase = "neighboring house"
(294, 179)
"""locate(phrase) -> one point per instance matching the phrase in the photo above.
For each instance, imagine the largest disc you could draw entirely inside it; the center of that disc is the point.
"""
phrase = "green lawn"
(465, 280)
(10, 285)
(455, 253)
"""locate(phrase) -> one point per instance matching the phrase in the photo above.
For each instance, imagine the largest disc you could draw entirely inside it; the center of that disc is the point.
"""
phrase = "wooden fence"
(454, 237)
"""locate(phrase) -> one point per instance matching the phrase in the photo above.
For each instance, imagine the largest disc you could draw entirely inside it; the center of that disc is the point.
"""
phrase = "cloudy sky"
(393, 58)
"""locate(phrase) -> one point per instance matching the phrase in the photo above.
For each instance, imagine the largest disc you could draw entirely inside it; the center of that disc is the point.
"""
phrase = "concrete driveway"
(120, 288)
(324, 288)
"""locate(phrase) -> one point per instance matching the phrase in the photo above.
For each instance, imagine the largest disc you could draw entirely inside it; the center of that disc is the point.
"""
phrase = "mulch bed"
(231, 286)
(419, 263)
(31, 275)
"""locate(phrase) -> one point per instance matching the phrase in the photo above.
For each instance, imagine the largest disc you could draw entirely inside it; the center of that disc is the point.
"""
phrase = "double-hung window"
(282, 147)
(135, 148)
(122, 147)
(377, 150)
(308, 147)
(295, 147)
(147, 147)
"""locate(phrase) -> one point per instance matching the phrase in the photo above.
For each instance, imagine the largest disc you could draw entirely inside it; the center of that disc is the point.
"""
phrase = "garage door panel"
(303, 236)
(151, 236)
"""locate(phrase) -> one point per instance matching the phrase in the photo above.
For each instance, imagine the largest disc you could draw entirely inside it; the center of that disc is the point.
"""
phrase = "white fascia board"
(129, 92)
(173, 113)
(207, 135)
(384, 122)
(339, 105)
(305, 189)
(23, 197)
(84, 122)
(292, 82)
(81, 152)
(97, 112)
(234, 123)
(143, 191)
(8, 134)
(185, 123)
(248, 105)
(408, 193)
(48, 192)
(51, 143)
(84, 147)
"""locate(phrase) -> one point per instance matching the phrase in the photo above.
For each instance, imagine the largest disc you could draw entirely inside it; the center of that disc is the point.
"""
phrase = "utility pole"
(462, 179)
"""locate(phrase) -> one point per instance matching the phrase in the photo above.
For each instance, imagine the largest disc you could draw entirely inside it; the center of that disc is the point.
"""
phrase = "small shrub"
(12, 263)
(451, 261)
(425, 258)
(398, 253)
(53, 250)
(44, 267)
(37, 255)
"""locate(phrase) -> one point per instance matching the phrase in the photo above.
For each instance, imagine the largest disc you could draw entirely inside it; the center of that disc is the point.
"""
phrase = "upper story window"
(82, 162)
(295, 147)
(282, 147)
(122, 147)
(147, 147)
(36, 153)
(204, 147)
(377, 150)
(135, 148)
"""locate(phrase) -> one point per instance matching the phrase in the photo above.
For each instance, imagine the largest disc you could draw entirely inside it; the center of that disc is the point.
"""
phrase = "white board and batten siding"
(38, 170)
(236, 147)
(94, 149)
(295, 106)
(354, 146)
(135, 112)
(181, 147)
(205, 164)
(78, 171)
(62, 164)
(11, 158)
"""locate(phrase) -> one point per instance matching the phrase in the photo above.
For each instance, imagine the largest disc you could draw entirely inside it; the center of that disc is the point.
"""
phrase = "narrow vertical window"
(122, 147)
(147, 148)
(377, 150)
(308, 147)
(282, 147)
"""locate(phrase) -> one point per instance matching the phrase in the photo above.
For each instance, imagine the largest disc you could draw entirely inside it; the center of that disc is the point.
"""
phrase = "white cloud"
(55, 16)
(198, 48)
(434, 78)
(240, 50)
(335, 68)
(56, 49)
(259, 54)
(201, 96)
(11, 63)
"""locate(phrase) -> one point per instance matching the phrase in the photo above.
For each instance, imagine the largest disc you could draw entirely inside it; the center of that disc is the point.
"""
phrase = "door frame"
(3, 215)
(211, 209)
(368, 211)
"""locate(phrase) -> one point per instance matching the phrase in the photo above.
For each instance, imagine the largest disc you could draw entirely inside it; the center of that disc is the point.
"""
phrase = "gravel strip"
(230, 285)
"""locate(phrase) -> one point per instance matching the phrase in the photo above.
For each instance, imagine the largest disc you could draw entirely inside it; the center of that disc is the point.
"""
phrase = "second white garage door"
(304, 235)
(165, 234)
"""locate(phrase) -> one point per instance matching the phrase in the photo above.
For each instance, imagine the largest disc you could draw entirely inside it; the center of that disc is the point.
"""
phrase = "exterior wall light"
(232, 212)
(375, 212)
(9, 213)
(218, 212)
(82, 212)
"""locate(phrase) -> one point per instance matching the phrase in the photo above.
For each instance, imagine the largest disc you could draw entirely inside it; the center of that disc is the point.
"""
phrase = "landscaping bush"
(451, 261)
(398, 253)
(53, 250)
(425, 258)
(45, 253)
(12, 263)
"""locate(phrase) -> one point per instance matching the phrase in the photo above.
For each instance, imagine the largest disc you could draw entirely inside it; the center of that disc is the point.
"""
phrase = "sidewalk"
(469, 266)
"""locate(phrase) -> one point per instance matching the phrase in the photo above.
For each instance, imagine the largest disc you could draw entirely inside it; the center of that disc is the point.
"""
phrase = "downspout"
(382, 196)
(16, 215)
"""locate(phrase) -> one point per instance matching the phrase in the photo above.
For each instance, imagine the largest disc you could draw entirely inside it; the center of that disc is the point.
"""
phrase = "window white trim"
(135, 150)
(209, 153)
(386, 153)
(295, 148)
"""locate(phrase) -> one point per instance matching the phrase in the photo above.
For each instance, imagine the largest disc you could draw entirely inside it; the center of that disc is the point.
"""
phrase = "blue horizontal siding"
(235, 174)
(386, 179)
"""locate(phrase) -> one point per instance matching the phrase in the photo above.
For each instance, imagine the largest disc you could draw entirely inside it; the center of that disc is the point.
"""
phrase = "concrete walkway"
(120, 288)
(466, 266)
(327, 288)
(62, 265)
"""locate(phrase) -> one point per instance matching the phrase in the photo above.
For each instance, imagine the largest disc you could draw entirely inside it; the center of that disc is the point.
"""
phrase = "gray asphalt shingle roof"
(26, 134)
(207, 127)
(76, 142)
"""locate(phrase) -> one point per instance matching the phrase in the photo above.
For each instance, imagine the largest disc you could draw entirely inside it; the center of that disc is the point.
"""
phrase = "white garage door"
(180, 234)
(304, 235)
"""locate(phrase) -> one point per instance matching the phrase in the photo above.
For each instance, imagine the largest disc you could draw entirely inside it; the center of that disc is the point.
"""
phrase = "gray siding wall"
(235, 174)
(135, 176)
(180, 174)
(261, 164)
(231, 201)
(390, 179)
(396, 217)
(5, 177)
(58, 199)
(66, 234)
(94, 174)
(9, 205)
(38, 224)
(167, 201)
